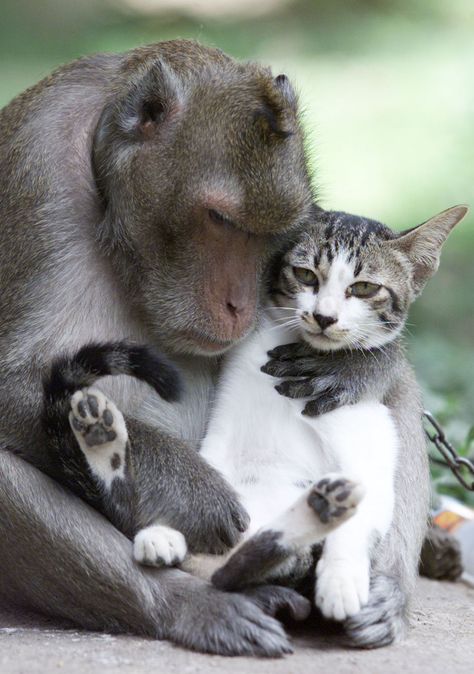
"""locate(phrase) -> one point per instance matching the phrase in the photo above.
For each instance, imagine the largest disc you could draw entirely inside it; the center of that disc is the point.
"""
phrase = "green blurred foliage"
(387, 90)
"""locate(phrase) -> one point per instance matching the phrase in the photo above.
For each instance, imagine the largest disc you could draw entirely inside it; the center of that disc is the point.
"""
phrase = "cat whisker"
(290, 323)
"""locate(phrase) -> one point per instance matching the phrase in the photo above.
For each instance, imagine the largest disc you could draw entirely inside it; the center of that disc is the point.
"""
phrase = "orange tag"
(448, 520)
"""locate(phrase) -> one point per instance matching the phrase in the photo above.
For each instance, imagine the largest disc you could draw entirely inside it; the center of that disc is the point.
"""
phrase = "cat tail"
(383, 620)
(69, 374)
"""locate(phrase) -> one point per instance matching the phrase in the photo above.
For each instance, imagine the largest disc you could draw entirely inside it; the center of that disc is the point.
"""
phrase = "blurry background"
(387, 89)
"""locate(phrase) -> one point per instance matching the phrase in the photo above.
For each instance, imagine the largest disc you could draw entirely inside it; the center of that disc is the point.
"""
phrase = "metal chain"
(451, 458)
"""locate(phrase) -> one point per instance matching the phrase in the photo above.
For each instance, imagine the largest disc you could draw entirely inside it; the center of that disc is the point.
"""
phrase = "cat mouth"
(320, 335)
(321, 340)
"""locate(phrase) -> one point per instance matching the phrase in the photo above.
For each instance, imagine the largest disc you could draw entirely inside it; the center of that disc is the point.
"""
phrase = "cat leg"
(363, 441)
(159, 545)
(394, 563)
(273, 550)
(101, 432)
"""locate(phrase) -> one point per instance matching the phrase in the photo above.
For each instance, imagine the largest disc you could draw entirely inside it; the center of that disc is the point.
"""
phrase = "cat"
(344, 287)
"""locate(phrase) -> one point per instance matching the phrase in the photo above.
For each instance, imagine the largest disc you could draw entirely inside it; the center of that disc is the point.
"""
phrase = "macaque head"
(201, 166)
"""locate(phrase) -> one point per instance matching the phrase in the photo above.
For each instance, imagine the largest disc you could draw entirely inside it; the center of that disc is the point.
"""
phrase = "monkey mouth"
(205, 343)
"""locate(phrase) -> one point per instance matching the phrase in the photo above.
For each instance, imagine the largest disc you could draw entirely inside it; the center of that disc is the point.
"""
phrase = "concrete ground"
(441, 642)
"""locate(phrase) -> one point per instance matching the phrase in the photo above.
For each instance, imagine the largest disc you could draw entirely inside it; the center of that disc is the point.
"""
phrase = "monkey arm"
(62, 558)
(334, 378)
(173, 484)
(78, 556)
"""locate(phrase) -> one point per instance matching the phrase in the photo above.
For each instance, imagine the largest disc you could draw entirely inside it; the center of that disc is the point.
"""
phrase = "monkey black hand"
(330, 379)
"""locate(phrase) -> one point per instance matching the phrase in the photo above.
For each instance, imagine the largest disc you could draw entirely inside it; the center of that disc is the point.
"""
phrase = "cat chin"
(322, 342)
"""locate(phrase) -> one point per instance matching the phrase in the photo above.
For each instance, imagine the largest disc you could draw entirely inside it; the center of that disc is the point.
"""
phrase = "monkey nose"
(324, 321)
(234, 309)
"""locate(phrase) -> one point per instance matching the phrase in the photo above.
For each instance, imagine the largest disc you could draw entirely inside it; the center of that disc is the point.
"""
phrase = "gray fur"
(64, 558)
(441, 556)
(97, 253)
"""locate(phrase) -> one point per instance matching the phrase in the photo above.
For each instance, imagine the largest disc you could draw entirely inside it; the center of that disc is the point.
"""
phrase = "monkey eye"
(218, 218)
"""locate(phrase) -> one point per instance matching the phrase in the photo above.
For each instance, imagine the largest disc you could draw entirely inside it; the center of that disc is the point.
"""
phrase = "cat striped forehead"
(339, 235)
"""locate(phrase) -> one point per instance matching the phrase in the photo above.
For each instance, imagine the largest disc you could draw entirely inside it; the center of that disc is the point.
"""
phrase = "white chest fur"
(256, 437)
(270, 453)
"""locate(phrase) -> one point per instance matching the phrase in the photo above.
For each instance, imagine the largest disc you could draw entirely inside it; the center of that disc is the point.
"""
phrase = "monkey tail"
(71, 373)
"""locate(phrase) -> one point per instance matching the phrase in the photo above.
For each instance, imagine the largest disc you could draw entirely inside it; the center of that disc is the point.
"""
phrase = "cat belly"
(257, 438)
(265, 502)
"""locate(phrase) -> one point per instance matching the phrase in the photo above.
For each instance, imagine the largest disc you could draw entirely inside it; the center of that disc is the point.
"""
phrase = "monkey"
(142, 196)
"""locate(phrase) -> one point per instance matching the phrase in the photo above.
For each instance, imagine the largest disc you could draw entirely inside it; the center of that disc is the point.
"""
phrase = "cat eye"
(305, 276)
(363, 289)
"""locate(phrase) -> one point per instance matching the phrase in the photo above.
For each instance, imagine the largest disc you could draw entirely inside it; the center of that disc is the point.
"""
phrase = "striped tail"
(71, 373)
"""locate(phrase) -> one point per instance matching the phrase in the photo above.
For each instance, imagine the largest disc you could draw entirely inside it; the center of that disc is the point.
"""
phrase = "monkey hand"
(215, 519)
(331, 379)
(226, 623)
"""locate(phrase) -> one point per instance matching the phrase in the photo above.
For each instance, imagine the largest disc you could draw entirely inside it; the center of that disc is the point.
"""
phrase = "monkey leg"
(86, 574)
(175, 486)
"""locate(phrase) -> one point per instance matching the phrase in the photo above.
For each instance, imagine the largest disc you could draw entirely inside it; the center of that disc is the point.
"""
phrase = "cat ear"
(422, 245)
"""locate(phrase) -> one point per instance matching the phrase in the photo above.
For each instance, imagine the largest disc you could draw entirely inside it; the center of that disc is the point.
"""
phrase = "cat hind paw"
(335, 498)
(159, 545)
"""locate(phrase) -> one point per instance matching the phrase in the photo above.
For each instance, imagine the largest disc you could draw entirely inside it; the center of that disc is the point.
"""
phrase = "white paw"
(342, 587)
(159, 545)
(101, 432)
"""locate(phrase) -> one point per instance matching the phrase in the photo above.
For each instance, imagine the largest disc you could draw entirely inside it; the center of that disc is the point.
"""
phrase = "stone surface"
(441, 641)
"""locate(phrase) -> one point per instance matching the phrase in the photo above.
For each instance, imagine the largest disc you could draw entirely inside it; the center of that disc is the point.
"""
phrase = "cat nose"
(324, 321)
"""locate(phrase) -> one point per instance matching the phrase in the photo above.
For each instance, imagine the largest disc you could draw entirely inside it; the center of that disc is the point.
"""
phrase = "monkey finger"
(241, 519)
(275, 600)
(295, 388)
(299, 368)
(322, 405)
(305, 388)
(290, 351)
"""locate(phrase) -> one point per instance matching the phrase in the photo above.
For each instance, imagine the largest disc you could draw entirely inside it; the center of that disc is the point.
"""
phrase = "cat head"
(351, 280)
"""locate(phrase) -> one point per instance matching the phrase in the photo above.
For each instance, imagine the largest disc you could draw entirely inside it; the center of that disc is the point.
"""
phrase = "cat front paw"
(159, 545)
(335, 498)
(342, 587)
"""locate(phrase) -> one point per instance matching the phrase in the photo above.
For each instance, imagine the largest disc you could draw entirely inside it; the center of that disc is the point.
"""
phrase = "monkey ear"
(151, 100)
(422, 245)
(279, 107)
(285, 87)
